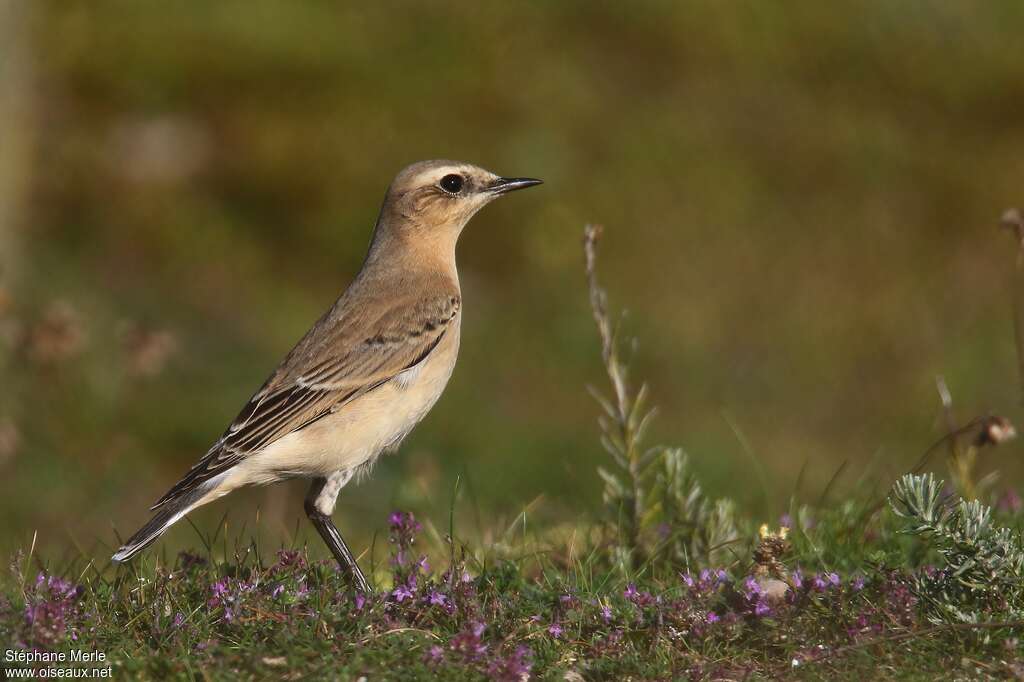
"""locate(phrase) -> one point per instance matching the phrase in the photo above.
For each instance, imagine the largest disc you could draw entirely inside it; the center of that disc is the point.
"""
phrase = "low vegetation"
(915, 582)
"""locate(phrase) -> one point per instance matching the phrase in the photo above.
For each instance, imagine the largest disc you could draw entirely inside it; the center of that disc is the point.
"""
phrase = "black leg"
(325, 526)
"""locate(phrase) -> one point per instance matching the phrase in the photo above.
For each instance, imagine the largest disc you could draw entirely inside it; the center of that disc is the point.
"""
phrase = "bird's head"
(439, 197)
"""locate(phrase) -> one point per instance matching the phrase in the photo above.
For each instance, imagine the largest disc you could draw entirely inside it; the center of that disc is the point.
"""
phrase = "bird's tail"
(169, 513)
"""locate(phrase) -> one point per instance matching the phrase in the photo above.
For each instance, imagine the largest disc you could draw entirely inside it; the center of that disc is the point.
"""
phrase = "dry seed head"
(57, 336)
(770, 550)
(995, 431)
(147, 350)
(765, 533)
(1013, 219)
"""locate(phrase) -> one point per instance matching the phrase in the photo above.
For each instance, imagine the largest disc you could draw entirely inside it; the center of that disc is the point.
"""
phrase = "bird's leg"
(319, 505)
(329, 532)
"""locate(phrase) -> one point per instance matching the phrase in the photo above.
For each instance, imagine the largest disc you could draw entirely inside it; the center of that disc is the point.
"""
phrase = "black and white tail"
(169, 513)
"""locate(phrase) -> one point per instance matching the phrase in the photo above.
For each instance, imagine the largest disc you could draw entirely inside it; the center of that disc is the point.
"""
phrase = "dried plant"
(59, 335)
(967, 442)
(1014, 221)
(147, 351)
(622, 425)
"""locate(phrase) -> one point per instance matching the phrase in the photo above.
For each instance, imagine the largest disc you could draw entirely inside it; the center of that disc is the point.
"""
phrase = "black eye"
(452, 183)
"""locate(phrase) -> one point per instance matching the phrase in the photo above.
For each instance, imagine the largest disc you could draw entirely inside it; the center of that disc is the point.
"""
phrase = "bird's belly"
(359, 430)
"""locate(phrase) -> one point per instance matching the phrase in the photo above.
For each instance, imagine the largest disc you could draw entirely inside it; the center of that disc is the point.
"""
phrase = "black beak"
(503, 185)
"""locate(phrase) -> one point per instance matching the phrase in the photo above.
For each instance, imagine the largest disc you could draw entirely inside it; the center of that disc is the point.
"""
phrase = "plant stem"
(625, 403)
(1014, 221)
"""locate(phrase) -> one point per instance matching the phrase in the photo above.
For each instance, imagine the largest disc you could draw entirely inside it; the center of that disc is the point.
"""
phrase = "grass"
(836, 599)
(668, 585)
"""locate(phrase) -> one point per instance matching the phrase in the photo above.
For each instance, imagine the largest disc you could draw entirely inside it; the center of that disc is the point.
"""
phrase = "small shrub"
(654, 503)
(982, 571)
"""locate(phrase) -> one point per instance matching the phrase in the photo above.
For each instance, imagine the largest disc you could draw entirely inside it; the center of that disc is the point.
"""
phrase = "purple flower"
(179, 619)
(606, 613)
(833, 579)
(756, 597)
(277, 592)
(468, 642)
(207, 644)
(360, 600)
(857, 583)
(436, 598)
(555, 630)
(289, 559)
(712, 617)
(52, 610)
(56, 588)
(220, 588)
(404, 528)
(401, 593)
(687, 579)
(797, 579)
(404, 523)
(513, 668)
(434, 655)
(640, 599)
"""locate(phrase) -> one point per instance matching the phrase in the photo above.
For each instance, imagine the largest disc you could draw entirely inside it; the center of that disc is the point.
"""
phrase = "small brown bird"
(366, 373)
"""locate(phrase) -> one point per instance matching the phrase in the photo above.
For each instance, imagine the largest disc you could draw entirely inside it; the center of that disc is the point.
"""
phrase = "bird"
(367, 371)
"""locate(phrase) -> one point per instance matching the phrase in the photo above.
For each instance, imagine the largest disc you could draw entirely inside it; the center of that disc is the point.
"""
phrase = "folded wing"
(347, 354)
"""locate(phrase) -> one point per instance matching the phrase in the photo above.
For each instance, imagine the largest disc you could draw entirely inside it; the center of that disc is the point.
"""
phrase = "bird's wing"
(347, 354)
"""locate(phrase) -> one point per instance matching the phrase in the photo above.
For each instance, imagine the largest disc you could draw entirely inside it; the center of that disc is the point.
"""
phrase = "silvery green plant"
(698, 529)
(982, 571)
(654, 503)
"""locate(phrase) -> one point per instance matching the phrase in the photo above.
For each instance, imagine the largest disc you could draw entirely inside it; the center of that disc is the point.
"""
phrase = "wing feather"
(342, 358)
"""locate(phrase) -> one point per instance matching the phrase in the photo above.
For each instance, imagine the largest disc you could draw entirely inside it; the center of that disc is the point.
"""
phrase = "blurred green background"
(801, 203)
